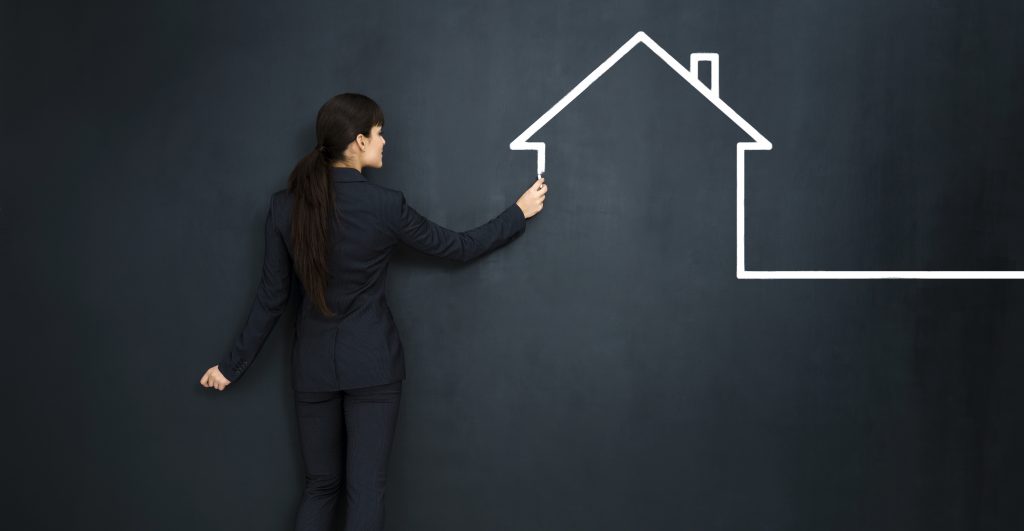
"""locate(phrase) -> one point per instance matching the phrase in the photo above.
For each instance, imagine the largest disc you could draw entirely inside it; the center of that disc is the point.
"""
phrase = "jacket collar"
(346, 175)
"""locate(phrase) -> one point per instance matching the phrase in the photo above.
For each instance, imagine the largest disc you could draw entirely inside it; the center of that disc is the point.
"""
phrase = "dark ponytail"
(338, 123)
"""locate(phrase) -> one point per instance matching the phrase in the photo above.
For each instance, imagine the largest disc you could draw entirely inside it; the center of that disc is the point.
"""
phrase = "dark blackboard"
(607, 370)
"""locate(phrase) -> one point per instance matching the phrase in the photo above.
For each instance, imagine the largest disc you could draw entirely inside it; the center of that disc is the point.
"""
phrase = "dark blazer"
(360, 346)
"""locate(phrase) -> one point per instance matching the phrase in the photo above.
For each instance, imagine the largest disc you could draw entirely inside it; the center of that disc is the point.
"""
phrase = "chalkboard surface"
(606, 370)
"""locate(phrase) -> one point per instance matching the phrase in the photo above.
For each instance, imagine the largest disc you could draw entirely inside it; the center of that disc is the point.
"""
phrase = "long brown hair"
(338, 122)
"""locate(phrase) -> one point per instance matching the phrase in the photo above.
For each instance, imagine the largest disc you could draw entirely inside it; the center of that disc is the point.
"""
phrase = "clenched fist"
(214, 378)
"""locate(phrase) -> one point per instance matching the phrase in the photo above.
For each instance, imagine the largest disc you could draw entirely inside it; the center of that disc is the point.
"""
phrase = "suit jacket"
(359, 347)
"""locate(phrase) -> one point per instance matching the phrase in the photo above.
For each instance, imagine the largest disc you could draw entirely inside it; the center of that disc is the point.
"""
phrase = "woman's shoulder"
(281, 200)
(384, 190)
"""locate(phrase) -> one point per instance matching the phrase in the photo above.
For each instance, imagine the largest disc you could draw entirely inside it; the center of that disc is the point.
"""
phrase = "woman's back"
(359, 346)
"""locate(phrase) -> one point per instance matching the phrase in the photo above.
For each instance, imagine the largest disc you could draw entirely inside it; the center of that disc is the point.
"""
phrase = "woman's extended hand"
(532, 200)
(214, 378)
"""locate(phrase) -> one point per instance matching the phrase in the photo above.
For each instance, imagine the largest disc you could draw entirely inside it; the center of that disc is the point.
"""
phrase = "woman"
(335, 230)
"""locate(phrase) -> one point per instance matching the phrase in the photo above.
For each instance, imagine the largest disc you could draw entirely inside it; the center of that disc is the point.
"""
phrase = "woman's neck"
(358, 169)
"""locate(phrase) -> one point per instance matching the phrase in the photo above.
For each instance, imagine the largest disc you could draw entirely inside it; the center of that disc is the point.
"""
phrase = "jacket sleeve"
(271, 299)
(418, 232)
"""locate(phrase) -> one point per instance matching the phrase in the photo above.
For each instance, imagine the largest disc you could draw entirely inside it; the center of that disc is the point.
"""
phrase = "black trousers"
(346, 439)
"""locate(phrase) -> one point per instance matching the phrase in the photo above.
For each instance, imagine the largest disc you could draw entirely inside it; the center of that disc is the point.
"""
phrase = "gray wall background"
(606, 370)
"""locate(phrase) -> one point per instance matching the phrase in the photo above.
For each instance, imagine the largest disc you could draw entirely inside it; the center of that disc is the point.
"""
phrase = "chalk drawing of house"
(710, 92)
(759, 142)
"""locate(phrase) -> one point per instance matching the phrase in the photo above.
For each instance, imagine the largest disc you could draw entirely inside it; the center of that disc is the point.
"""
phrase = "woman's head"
(348, 127)
(347, 134)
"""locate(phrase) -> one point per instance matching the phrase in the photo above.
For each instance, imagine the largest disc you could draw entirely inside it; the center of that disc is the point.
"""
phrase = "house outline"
(759, 143)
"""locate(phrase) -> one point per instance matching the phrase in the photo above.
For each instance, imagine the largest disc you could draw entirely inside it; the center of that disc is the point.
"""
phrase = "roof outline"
(759, 143)
(521, 143)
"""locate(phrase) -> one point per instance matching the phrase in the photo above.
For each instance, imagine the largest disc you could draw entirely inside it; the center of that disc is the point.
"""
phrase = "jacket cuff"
(231, 372)
(517, 217)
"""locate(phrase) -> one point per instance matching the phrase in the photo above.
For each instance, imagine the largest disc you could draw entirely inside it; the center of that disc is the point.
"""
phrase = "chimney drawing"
(712, 59)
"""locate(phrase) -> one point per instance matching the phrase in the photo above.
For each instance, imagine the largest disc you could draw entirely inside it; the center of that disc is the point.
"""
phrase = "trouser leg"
(322, 441)
(370, 417)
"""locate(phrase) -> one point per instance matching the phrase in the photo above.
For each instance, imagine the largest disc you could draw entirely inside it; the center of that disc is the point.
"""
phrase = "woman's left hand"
(214, 378)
